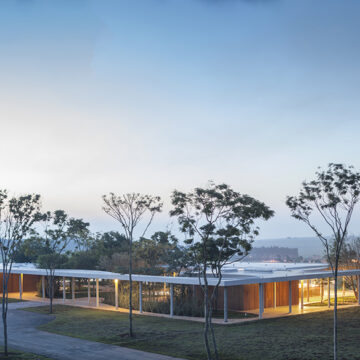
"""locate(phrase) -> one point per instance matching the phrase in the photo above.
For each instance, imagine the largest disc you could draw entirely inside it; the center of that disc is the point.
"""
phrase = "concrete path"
(23, 335)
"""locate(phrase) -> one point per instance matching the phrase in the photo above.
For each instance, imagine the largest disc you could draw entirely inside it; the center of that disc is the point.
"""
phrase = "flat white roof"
(239, 275)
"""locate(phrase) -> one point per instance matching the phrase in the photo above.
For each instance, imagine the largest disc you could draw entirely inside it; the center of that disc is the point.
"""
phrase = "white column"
(225, 304)
(116, 294)
(89, 291)
(322, 290)
(171, 300)
(274, 295)
(140, 297)
(64, 289)
(308, 291)
(97, 293)
(43, 286)
(358, 288)
(261, 300)
(290, 297)
(302, 294)
(20, 286)
(328, 289)
(73, 288)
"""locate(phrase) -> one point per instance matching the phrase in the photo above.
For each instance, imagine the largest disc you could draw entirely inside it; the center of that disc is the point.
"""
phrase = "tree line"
(219, 224)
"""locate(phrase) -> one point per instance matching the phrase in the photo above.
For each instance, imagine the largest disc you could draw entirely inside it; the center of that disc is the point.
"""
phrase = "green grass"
(346, 300)
(19, 355)
(12, 300)
(302, 337)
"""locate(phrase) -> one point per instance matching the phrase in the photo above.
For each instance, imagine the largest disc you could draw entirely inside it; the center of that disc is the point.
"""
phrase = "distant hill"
(273, 253)
(309, 246)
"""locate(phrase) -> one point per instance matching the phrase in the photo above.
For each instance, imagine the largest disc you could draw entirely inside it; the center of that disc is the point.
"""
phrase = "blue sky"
(152, 95)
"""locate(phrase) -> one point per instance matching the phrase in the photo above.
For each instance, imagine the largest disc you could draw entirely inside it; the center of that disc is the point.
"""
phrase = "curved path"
(23, 335)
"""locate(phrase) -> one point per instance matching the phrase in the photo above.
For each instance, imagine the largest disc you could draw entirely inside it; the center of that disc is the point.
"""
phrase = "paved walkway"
(24, 336)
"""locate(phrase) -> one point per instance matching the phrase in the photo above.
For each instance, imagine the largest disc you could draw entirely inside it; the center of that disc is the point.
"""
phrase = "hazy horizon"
(149, 96)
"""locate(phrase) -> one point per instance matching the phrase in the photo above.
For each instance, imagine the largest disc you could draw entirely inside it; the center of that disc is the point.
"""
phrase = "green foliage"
(88, 260)
(160, 254)
(219, 223)
(129, 210)
(333, 195)
(60, 231)
(109, 297)
(109, 243)
(17, 217)
(29, 250)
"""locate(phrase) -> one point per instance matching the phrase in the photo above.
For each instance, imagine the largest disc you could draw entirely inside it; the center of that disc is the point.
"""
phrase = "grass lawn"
(297, 337)
(19, 355)
(346, 300)
(234, 315)
(12, 300)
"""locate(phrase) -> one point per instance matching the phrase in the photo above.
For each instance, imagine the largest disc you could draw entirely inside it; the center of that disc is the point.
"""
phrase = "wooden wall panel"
(246, 297)
(29, 282)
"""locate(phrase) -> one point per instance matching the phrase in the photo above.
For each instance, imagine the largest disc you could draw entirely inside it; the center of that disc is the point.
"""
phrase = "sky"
(154, 95)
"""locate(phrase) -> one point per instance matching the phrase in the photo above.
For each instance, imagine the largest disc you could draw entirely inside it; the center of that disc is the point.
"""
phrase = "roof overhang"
(182, 280)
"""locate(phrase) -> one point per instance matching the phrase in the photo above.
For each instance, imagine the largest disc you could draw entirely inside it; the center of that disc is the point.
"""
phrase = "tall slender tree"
(220, 224)
(129, 210)
(332, 195)
(60, 231)
(17, 217)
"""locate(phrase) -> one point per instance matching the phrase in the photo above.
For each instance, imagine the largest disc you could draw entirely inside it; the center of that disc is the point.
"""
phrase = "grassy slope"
(297, 337)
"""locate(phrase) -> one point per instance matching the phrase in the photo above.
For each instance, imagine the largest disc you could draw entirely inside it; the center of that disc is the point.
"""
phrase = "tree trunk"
(130, 289)
(335, 315)
(212, 333)
(4, 313)
(206, 309)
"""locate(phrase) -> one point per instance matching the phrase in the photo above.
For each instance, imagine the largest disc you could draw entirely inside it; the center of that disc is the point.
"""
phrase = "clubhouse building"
(260, 288)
